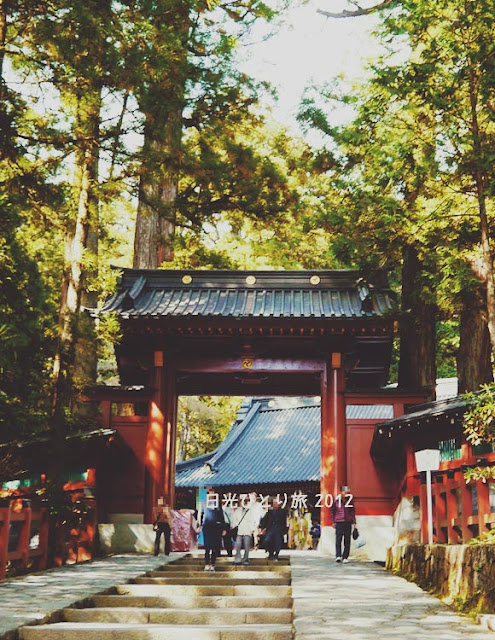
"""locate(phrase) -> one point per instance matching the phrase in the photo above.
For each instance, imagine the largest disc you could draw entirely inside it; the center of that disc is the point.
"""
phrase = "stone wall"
(407, 522)
(462, 575)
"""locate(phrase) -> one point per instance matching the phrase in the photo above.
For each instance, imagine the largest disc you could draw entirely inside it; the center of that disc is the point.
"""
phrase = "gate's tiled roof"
(273, 444)
(256, 294)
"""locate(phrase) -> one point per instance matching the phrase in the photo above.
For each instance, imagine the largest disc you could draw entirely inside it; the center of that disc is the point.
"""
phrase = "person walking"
(343, 518)
(273, 528)
(246, 520)
(214, 527)
(162, 526)
(227, 538)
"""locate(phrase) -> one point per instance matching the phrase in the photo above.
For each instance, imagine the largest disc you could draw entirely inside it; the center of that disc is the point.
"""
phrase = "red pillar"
(168, 484)
(333, 433)
(106, 414)
(160, 441)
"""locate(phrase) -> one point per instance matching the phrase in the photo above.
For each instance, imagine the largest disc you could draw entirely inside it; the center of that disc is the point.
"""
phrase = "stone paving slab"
(362, 601)
(36, 596)
(359, 600)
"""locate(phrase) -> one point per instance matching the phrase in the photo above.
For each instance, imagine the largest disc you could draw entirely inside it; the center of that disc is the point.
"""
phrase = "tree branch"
(359, 11)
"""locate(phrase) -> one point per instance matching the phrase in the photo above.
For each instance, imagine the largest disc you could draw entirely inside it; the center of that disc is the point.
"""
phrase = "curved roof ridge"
(240, 428)
(192, 462)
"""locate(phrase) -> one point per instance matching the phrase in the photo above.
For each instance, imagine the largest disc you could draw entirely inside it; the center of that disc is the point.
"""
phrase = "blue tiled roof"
(239, 294)
(277, 442)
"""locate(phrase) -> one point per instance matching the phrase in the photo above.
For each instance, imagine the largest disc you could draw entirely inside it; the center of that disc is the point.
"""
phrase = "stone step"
(185, 571)
(193, 602)
(217, 578)
(226, 560)
(153, 615)
(204, 590)
(113, 631)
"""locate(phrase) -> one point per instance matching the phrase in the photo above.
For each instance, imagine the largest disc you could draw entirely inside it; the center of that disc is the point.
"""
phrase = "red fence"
(460, 510)
(23, 538)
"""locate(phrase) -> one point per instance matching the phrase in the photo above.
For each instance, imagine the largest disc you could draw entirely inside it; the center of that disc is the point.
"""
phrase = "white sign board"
(427, 460)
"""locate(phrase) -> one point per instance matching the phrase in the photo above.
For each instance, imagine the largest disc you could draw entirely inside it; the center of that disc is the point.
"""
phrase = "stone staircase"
(180, 600)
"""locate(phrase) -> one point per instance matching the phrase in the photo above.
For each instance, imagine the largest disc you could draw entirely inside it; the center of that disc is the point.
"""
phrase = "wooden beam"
(213, 364)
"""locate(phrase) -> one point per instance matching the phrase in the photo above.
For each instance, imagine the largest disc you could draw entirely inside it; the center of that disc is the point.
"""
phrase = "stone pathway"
(33, 597)
(356, 601)
(362, 601)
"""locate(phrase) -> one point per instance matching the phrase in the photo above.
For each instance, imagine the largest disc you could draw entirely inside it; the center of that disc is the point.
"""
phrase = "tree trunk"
(474, 366)
(487, 259)
(75, 359)
(3, 38)
(162, 148)
(162, 102)
(183, 437)
(481, 182)
(417, 364)
(157, 192)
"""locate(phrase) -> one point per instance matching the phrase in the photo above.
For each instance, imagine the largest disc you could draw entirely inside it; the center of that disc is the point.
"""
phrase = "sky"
(309, 48)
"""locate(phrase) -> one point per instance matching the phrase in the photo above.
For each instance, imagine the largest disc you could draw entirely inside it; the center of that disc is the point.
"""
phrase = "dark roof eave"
(428, 410)
(108, 392)
(293, 294)
(46, 437)
(419, 418)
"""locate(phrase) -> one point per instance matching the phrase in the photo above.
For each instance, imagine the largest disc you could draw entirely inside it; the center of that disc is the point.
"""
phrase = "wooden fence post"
(467, 509)
(440, 511)
(483, 506)
(4, 539)
(25, 536)
(452, 514)
(43, 544)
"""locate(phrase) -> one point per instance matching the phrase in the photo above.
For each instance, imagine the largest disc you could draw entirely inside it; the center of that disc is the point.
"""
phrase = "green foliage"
(447, 346)
(479, 473)
(62, 508)
(479, 419)
(487, 537)
(414, 167)
(202, 423)
(24, 328)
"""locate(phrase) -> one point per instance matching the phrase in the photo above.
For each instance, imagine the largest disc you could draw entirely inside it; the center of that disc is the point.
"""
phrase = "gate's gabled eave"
(331, 294)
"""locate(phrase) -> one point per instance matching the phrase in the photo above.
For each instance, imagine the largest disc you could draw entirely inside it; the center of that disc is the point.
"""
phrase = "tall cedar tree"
(25, 306)
(184, 51)
(450, 73)
(70, 42)
(453, 70)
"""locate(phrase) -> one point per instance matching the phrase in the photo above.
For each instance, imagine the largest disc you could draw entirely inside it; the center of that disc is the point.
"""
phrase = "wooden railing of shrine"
(23, 538)
(453, 519)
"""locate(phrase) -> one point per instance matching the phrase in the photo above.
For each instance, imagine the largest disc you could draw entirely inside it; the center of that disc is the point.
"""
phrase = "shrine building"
(325, 334)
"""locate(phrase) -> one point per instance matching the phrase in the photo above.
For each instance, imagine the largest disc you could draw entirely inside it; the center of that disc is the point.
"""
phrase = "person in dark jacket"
(273, 528)
(214, 527)
(162, 525)
(343, 518)
(227, 538)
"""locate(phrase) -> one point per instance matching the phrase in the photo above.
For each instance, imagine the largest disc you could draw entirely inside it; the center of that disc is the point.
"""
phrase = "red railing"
(453, 519)
(23, 538)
